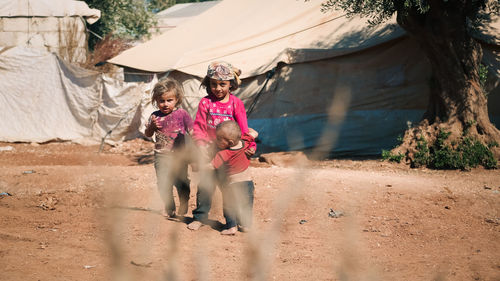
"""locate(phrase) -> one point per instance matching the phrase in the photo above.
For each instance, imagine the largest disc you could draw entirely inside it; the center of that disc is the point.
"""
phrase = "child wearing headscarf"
(218, 106)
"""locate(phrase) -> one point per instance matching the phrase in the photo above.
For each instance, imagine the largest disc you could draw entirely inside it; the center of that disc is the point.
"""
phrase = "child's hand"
(154, 124)
(250, 152)
(254, 134)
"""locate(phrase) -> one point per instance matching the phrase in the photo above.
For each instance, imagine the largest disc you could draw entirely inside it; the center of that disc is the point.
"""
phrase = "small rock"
(335, 214)
(49, 203)
(302, 221)
(6, 148)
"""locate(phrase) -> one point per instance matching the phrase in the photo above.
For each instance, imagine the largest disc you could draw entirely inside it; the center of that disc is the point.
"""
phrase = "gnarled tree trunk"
(457, 100)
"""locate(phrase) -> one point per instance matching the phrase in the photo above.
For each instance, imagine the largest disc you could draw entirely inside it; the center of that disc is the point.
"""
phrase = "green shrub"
(391, 157)
(466, 153)
(422, 157)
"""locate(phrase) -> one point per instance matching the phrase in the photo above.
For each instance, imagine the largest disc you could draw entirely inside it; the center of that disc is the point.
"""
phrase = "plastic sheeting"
(42, 98)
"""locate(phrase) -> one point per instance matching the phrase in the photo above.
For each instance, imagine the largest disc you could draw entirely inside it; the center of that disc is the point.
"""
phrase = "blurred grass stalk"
(261, 242)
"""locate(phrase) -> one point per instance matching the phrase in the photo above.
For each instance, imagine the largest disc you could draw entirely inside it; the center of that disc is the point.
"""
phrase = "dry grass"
(104, 50)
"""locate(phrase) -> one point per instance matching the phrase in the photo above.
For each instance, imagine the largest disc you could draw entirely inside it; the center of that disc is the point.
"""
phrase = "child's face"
(222, 141)
(220, 88)
(167, 102)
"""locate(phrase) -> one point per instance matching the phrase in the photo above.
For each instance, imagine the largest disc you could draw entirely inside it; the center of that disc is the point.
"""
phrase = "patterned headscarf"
(220, 70)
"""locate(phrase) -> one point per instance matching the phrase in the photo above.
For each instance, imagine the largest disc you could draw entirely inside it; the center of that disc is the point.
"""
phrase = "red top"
(234, 161)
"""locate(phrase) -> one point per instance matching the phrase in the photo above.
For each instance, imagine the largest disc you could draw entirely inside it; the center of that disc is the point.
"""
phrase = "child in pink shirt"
(170, 125)
(218, 106)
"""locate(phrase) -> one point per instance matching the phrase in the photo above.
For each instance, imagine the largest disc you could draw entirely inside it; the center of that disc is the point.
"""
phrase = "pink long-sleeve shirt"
(211, 112)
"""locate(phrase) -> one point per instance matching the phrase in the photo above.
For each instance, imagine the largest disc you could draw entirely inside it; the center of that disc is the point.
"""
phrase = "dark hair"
(167, 85)
(206, 82)
(234, 83)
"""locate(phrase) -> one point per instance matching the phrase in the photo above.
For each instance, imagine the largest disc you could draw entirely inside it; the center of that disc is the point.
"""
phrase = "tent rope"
(269, 75)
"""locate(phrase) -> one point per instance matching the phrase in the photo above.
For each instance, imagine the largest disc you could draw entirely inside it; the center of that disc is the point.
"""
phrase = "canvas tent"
(177, 14)
(55, 25)
(317, 58)
(44, 98)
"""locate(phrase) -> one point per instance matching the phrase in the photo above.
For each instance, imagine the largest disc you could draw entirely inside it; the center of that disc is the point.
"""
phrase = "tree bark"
(457, 100)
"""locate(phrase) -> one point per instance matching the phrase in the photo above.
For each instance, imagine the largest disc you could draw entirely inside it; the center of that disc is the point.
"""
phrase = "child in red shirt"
(231, 164)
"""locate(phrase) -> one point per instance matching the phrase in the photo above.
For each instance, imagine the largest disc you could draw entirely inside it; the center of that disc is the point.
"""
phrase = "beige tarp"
(177, 14)
(48, 8)
(317, 57)
(255, 35)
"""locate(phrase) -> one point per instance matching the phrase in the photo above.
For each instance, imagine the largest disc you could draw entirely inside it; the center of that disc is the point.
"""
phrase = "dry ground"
(74, 214)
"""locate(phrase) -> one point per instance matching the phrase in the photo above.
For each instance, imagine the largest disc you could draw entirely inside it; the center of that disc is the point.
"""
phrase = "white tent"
(177, 14)
(44, 98)
(48, 8)
(55, 25)
(255, 35)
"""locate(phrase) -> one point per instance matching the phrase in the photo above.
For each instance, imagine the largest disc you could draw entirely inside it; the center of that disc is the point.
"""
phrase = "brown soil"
(75, 214)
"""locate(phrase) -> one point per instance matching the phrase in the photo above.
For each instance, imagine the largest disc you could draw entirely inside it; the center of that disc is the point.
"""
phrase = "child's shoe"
(229, 231)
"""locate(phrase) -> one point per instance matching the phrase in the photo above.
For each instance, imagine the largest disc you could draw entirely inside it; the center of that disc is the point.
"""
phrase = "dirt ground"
(70, 213)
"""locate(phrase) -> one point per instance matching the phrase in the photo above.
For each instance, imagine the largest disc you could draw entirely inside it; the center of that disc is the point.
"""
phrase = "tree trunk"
(457, 100)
